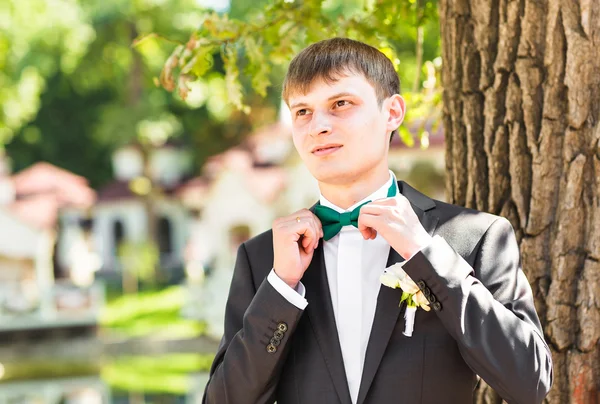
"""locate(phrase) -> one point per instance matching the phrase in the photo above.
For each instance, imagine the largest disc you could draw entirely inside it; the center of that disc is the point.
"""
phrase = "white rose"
(421, 301)
(406, 284)
(389, 280)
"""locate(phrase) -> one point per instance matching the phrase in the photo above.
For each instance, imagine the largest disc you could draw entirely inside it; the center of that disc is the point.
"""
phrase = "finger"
(367, 224)
(299, 229)
(374, 209)
(368, 233)
(298, 216)
(309, 235)
(319, 224)
(310, 239)
(306, 230)
(317, 233)
(384, 202)
(315, 240)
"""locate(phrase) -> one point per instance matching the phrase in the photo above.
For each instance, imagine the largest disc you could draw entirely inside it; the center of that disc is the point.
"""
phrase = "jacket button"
(427, 292)
(278, 335)
(421, 284)
(437, 306)
(275, 342)
(431, 298)
(282, 327)
(271, 348)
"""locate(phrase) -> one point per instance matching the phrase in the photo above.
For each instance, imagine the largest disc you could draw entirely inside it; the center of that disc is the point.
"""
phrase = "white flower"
(402, 279)
(395, 277)
(389, 280)
(421, 301)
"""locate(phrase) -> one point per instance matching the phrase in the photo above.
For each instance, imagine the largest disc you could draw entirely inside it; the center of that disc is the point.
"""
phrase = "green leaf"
(258, 68)
(200, 63)
(232, 82)
(406, 136)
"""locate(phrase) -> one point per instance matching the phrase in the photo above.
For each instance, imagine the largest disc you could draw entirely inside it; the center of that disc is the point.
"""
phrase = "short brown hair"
(332, 58)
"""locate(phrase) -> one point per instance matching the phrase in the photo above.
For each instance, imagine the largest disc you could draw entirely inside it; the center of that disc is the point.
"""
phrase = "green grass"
(169, 373)
(30, 370)
(161, 374)
(152, 313)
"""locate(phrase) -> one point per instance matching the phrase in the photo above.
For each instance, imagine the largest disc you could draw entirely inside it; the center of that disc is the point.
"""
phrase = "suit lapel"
(388, 310)
(320, 314)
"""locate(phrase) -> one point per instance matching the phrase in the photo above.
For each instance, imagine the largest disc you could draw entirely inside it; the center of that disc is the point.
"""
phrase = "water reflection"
(73, 390)
(164, 379)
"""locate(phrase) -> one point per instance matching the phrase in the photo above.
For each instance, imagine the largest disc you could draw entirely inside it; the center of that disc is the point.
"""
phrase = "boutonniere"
(395, 277)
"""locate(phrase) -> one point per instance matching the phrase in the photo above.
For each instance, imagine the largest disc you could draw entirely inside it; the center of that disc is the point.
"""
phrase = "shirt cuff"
(294, 296)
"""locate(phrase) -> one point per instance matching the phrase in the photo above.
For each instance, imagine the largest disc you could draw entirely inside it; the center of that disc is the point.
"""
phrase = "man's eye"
(341, 103)
(301, 112)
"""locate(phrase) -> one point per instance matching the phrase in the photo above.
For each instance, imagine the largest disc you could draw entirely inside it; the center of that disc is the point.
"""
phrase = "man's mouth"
(326, 149)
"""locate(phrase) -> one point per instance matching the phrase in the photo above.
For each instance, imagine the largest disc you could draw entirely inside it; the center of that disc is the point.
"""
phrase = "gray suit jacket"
(485, 324)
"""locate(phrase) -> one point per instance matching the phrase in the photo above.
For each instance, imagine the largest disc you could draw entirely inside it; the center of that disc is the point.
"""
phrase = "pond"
(164, 378)
(141, 351)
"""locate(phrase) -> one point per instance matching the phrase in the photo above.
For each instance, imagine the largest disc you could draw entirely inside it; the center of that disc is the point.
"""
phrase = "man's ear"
(397, 108)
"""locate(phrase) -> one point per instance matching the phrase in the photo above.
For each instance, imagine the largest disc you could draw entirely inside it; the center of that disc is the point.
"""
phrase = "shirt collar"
(382, 192)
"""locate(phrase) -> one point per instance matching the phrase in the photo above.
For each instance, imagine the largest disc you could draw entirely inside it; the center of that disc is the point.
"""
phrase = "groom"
(307, 319)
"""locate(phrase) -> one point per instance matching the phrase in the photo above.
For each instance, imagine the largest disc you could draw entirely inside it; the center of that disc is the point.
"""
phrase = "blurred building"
(40, 212)
(142, 200)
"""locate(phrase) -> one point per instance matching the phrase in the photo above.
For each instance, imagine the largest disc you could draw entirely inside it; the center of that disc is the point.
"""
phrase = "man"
(307, 319)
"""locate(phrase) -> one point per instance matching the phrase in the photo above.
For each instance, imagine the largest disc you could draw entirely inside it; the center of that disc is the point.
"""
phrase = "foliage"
(166, 374)
(30, 370)
(37, 38)
(151, 313)
(72, 88)
(139, 259)
(273, 36)
(169, 373)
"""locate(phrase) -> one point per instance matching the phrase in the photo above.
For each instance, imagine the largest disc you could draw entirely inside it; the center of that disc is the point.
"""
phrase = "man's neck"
(347, 194)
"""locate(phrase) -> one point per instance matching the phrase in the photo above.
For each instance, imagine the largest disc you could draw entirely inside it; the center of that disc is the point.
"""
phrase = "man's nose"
(320, 124)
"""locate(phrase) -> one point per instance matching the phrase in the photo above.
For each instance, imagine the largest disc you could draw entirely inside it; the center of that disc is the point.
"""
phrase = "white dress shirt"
(353, 288)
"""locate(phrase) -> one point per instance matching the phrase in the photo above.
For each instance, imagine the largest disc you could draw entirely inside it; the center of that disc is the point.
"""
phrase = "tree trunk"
(521, 114)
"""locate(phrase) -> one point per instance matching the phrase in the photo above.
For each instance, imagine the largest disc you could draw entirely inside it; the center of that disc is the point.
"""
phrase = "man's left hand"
(397, 223)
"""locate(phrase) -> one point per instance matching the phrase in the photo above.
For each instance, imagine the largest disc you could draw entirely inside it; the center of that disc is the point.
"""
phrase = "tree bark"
(521, 114)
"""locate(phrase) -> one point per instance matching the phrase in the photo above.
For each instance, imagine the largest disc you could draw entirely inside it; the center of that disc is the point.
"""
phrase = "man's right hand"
(295, 238)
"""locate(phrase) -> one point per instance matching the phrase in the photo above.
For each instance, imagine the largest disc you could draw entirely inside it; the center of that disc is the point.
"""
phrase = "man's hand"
(397, 223)
(295, 238)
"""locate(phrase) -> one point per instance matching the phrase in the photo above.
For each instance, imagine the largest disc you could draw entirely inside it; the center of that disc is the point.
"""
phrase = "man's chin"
(333, 176)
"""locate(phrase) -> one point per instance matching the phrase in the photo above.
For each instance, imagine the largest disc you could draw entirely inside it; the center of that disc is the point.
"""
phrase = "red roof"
(45, 179)
(40, 210)
(43, 189)
(116, 190)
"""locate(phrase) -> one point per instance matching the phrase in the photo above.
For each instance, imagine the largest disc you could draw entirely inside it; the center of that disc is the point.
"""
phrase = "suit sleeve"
(258, 326)
(489, 310)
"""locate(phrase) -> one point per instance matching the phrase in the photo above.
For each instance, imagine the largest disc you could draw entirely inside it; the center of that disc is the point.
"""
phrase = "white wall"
(133, 216)
(169, 164)
(179, 218)
(18, 239)
(131, 213)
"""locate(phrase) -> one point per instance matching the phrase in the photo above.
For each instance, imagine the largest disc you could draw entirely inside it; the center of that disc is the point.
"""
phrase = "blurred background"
(122, 204)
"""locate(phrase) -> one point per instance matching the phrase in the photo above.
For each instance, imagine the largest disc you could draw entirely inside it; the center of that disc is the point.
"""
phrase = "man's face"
(340, 131)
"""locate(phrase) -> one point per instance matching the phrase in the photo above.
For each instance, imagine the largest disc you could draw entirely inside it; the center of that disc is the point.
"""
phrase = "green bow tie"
(333, 221)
